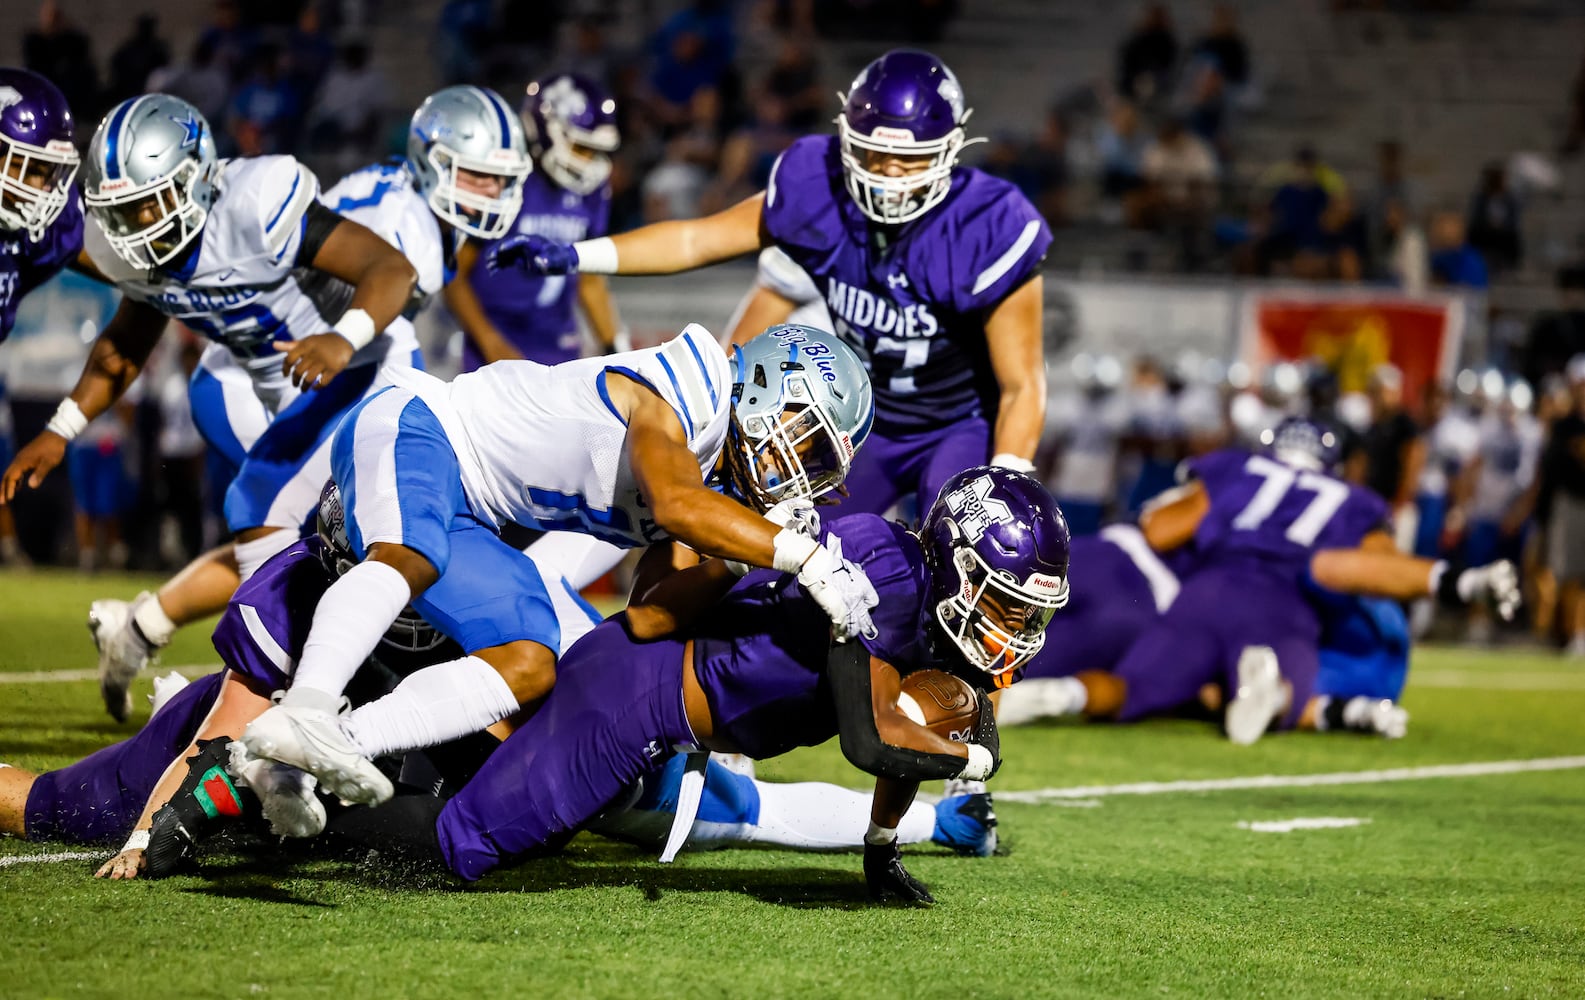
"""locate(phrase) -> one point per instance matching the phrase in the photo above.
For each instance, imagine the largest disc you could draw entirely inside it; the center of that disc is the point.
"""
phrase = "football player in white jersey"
(622, 448)
(215, 243)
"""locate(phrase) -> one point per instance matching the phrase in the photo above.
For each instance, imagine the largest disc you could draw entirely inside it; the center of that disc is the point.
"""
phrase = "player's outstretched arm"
(878, 738)
(660, 248)
(115, 360)
(665, 601)
(1171, 519)
(1395, 575)
(382, 282)
(237, 705)
(1013, 332)
(464, 305)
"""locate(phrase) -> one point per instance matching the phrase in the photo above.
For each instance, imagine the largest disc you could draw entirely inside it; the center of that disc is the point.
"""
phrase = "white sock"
(253, 554)
(436, 704)
(152, 621)
(813, 816)
(348, 623)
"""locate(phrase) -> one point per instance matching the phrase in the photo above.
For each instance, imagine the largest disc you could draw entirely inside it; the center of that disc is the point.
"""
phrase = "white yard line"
(1301, 823)
(189, 671)
(39, 859)
(1505, 681)
(1051, 795)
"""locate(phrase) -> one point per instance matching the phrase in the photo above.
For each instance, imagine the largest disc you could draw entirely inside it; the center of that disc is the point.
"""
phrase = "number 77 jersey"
(1279, 513)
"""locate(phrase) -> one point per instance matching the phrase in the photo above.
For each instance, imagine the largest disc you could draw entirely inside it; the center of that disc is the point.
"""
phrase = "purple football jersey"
(25, 264)
(261, 634)
(912, 301)
(536, 313)
(760, 656)
(1264, 509)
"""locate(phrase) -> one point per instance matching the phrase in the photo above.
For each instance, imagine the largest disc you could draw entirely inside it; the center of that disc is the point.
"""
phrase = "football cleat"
(285, 794)
(967, 824)
(1389, 720)
(122, 651)
(1260, 698)
(207, 800)
(311, 740)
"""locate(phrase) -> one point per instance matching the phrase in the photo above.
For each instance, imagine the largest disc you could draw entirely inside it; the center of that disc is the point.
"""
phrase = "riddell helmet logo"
(1039, 581)
(975, 509)
(892, 134)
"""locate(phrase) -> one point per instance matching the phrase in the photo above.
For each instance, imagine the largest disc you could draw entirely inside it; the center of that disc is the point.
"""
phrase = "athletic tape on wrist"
(792, 550)
(139, 841)
(596, 256)
(68, 420)
(1008, 460)
(980, 764)
(357, 327)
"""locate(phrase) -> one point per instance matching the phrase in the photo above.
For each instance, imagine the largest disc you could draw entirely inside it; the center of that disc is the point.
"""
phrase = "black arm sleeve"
(848, 667)
(319, 224)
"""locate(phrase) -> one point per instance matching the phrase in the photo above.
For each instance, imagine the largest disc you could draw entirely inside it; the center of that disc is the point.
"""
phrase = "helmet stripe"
(113, 138)
(499, 106)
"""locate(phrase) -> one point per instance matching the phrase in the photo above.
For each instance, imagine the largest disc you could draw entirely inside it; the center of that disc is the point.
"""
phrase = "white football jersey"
(1510, 450)
(543, 446)
(240, 288)
(1452, 443)
(384, 199)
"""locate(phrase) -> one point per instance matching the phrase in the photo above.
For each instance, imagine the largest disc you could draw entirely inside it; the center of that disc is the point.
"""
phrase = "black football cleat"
(208, 801)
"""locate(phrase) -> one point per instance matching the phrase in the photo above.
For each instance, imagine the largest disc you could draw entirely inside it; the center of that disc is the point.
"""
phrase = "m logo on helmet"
(971, 504)
(9, 96)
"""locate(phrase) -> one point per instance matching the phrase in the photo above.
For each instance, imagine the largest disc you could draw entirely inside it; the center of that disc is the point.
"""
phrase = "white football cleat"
(1260, 696)
(311, 739)
(122, 651)
(285, 794)
(1389, 719)
(1034, 699)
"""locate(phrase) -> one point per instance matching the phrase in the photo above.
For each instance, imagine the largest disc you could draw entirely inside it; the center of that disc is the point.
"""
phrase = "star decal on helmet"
(194, 129)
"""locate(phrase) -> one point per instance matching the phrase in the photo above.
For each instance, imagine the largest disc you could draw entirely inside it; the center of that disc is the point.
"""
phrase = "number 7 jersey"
(1278, 513)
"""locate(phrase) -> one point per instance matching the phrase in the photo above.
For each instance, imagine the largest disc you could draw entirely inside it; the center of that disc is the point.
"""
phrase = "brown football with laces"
(941, 702)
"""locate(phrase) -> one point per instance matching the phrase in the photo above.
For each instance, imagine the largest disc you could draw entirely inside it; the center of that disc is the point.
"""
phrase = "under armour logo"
(898, 280)
(974, 508)
(653, 750)
(9, 96)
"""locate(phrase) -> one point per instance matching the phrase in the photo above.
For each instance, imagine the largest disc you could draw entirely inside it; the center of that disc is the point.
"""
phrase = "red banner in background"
(1354, 335)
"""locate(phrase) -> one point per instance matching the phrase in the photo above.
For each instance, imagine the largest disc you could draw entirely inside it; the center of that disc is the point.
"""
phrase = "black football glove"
(888, 879)
(986, 734)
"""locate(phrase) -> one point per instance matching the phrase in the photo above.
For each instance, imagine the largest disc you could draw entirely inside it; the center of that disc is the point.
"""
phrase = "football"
(940, 702)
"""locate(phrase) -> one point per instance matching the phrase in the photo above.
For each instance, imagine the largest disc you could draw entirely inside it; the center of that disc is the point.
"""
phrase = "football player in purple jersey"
(570, 123)
(931, 271)
(41, 219)
(705, 659)
(1250, 535)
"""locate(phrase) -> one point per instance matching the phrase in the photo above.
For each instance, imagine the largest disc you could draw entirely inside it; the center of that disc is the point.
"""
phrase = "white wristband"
(980, 764)
(879, 835)
(792, 550)
(68, 420)
(596, 256)
(357, 327)
(1008, 460)
(622, 341)
(139, 841)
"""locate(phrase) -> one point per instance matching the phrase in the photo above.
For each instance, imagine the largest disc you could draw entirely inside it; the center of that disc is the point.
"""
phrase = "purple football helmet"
(1303, 444)
(907, 105)
(997, 547)
(37, 158)
(570, 122)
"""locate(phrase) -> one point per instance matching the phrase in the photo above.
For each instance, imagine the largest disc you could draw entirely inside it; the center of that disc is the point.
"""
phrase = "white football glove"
(1497, 583)
(841, 589)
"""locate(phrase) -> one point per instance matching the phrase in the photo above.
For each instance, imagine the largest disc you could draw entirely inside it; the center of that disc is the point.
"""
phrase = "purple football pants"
(1220, 611)
(888, 468)
(615, 714)
(100, 797)
(1110, 605)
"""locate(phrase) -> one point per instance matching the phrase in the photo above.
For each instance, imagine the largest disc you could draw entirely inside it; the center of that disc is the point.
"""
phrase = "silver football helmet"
(801, 408)
(149, 177)
(472, 130)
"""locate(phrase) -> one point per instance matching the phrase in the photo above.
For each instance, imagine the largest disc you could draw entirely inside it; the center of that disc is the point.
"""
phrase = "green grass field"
(1455, 886)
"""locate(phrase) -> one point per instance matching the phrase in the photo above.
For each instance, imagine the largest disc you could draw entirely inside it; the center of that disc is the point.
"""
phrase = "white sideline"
(1516, 681)
(189, 670)
(38, 859)
(1301, 823)
(1048, 795)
